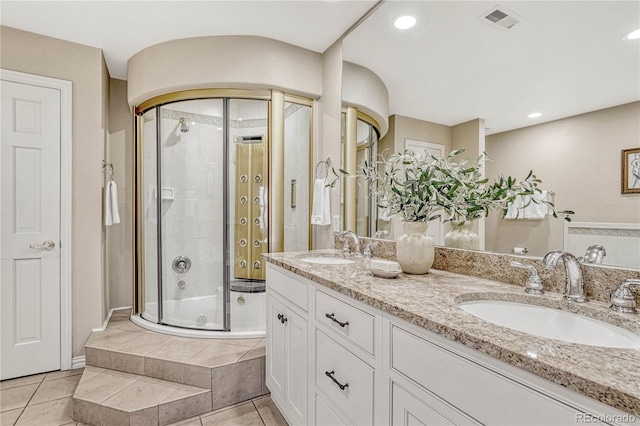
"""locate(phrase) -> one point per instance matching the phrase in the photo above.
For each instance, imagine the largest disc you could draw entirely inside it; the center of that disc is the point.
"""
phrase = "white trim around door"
(65, 88)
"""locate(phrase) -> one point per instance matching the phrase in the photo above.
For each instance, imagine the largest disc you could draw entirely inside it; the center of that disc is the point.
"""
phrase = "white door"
(436, 228)
(30, 229)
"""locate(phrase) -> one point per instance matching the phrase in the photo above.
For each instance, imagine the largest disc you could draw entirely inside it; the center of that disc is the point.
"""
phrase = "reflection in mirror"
(366, 152)
(360, 146)
(477, 71)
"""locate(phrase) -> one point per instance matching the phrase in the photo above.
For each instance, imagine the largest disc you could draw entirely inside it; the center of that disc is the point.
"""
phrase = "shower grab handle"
(332, 318)
(293, 194)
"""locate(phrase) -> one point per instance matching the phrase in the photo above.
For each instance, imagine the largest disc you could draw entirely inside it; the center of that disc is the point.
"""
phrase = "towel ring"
(327, 164)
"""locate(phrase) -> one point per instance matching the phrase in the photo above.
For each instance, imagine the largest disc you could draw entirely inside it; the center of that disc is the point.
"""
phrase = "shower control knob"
(181, 264)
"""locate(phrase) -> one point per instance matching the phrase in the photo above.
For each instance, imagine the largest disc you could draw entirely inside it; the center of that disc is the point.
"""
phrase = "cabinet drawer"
(288, 286)
(407, 409)
(360, 327)
(355, 400)
(325, 415)
(464, 384)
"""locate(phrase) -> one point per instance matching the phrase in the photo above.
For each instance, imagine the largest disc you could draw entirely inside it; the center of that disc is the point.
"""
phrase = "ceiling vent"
(501, 17)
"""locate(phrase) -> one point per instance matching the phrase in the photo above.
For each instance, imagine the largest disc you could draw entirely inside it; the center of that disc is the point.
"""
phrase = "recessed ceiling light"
(534, 115)
(404, 22)
(633, 35)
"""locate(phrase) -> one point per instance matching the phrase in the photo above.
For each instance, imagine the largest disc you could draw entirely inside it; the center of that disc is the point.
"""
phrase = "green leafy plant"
(420, 188)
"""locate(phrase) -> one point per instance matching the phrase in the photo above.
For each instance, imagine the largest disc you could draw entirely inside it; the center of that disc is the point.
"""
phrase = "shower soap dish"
(385, 268)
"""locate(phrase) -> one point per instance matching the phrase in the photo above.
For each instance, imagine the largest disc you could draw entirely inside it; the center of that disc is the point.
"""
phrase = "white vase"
(461, 236)
(415, 249)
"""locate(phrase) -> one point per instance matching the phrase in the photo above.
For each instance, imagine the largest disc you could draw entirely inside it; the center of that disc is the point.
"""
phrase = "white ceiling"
(563, 59)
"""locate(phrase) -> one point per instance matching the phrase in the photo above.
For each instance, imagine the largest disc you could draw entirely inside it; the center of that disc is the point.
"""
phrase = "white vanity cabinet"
(347, 358)
(429, 377)
(337, 361)
(287, 360)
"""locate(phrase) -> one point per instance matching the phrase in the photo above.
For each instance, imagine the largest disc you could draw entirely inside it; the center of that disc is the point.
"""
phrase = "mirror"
(591, 110)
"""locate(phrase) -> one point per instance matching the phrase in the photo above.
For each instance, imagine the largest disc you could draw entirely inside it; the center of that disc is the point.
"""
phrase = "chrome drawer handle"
(332, 318)
(340, 385)
(46, 245)
(282, 318)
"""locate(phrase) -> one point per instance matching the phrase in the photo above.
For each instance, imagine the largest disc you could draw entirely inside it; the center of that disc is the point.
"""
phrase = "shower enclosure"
(203, 209)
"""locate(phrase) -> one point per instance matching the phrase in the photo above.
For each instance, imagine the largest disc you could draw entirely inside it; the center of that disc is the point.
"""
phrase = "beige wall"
(329, 132)
(226, 62)
(120, 154)
(580, 158)
(401, 128)
(470, 137)
(84, 67)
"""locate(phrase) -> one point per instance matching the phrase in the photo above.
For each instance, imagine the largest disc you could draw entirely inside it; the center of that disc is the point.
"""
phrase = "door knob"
(46, 245)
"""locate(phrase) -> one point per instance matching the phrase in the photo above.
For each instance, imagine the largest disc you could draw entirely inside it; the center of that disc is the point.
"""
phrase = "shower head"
(183, 125)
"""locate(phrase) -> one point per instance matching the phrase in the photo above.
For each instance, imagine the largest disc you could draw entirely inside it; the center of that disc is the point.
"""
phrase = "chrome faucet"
(574, 288)
(356, 242)
(622, 300)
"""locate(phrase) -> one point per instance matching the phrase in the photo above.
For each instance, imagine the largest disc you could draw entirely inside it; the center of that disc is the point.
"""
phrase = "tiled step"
(124, 346)
(107, 397)
(135, 376)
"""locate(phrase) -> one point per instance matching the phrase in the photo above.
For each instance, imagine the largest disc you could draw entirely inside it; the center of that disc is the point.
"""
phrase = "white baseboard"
(106, 320)
(78, 362)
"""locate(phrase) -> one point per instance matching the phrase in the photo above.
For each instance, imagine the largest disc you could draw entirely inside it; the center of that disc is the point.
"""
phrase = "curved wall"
(364, 90)
(245, 62)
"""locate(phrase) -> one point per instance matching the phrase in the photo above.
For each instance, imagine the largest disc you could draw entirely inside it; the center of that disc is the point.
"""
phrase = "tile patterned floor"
(45, 399)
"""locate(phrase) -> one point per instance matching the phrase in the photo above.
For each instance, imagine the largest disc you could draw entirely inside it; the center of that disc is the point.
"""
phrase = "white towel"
(537, 211)
(514, 210)
(321, 210)
(111, 213)
(383, 214)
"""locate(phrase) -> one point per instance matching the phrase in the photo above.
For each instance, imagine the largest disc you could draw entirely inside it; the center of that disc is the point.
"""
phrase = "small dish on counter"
(385, 274)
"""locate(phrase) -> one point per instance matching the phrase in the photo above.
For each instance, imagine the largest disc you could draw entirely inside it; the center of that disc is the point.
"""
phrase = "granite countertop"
(609, 375)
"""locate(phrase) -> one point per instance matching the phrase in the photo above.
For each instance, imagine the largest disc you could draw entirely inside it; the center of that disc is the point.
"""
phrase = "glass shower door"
(191, 201)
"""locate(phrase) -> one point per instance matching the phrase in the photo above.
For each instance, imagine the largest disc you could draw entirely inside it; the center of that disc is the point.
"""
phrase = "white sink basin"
(552, 323)
(326, 260)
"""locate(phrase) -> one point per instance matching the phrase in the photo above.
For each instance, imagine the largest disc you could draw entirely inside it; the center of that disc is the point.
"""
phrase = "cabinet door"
(297, 367)
(407, 410)
(275, 374)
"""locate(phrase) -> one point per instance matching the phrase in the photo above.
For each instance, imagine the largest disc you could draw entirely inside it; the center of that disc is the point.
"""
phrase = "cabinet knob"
(282, 318)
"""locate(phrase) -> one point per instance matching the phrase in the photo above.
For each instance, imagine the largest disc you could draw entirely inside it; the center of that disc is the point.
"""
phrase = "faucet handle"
(367, 249)
(345, 247)
(622, 299)
(534, 282)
